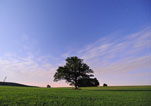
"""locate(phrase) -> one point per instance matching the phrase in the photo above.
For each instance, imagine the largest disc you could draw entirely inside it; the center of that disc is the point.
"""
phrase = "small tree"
(105, 85)
(48, 86)
(73, 71)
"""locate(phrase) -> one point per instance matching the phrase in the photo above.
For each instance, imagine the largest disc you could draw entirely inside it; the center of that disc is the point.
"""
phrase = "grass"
(89, 96)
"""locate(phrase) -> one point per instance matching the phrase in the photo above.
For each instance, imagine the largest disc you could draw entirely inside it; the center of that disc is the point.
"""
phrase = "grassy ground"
(91, 96)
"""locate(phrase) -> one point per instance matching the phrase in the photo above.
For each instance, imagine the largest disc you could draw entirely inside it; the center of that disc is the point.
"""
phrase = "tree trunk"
(76, 84)
(76, 87)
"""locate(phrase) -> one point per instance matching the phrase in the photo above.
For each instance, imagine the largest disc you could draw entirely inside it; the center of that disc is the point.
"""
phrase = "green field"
(91, 96)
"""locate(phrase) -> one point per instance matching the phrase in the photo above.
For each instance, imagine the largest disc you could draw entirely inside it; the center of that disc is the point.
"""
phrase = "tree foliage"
(73, 71)
(88, 82)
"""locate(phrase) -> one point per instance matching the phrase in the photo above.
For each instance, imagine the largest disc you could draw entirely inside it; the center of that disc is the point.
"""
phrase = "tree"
(105, 85)
(48, 86)
(74, 70)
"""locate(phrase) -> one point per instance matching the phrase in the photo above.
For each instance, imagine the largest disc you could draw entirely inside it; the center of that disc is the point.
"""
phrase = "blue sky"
(113, 37)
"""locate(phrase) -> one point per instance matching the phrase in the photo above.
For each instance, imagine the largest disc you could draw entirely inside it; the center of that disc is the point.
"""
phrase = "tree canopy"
(73, 71)
(88, 82)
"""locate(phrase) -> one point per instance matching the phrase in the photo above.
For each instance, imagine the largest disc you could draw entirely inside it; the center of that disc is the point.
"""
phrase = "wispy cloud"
(18, 69)
(129, 45)
(140, 63)
(27, 70)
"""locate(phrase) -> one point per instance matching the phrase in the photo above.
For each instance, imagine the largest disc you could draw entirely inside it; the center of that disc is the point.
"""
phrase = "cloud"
(31, 70)
(107, 48)
(140, 63)
(26, 70)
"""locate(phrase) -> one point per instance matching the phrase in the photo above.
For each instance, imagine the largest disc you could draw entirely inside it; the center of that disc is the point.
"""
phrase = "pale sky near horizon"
(112, 36)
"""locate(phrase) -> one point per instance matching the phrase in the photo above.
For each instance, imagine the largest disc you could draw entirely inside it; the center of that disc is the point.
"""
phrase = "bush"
(48, 86)
(105, 85)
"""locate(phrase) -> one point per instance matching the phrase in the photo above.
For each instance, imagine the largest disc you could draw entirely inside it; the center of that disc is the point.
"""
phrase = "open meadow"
(89, 96)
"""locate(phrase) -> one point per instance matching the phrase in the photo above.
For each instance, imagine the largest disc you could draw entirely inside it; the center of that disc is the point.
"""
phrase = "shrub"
(105, 85)
(48, 86)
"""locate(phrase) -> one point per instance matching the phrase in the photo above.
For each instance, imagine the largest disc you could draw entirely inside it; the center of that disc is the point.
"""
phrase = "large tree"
(74, 70)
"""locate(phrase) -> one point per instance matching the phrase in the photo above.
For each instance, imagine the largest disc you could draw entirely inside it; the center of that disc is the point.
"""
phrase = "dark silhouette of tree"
(88, 82)
(48, 86)
(105, 85)
(74, 70)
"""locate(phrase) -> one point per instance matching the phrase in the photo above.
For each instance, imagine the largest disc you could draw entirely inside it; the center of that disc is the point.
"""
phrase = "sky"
(112, 36)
